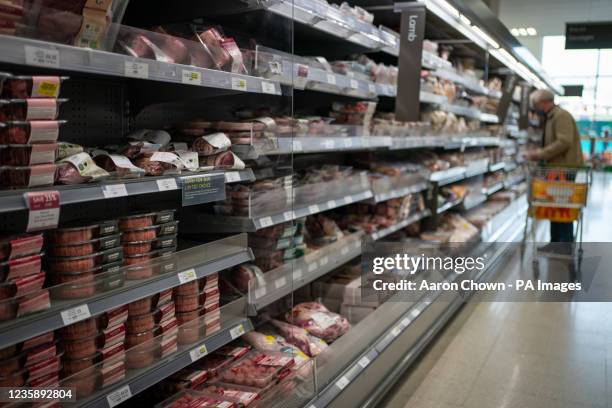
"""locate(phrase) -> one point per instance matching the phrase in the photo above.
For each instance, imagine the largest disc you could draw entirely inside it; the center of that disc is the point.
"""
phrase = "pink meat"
(318, 321)
(299, 337)
(68, 174)
(151, 168)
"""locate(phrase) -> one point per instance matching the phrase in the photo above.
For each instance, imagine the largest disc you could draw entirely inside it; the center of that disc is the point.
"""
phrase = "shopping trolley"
(558, 194)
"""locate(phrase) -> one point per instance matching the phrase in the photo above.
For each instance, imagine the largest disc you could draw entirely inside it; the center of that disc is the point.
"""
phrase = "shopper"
(560, 145)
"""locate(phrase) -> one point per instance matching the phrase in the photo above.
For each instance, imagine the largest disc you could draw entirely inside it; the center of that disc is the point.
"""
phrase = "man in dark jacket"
(561, 145)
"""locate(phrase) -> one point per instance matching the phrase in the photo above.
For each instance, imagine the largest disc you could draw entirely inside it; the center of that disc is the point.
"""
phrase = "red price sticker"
(43, 210)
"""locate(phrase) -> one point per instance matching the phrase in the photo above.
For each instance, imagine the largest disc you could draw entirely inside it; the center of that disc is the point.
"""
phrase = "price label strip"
(237, 331)
(266, 222)
(167, 184)
(239, 84)
(268, 88)
(133, 69)
(43, 210)
(187, 276)
(42, 57)
(198, 352)
(118, 396)
(75, 314)
(191, 77)
(114, 190)
(342, 382)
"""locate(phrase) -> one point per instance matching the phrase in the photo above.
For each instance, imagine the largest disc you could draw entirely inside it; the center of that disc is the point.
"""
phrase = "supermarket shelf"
(313, 144)
(513, 182)
(282, 281)
(470, 84)
(233, 325)
(399, 192)
(21, 51)
(12, 200)
(493, 189)
(451, 175)
(204, 259)
(428, 97)
(511, 216)
(432, 61)
(447, 206)
(402, 224)
(228, 224)
(496, 166)
(469, 202)
(510, 166)
(405, 329)
(489, 118)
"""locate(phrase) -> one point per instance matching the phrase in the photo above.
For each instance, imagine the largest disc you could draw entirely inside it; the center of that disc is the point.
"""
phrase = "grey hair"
(541, 95)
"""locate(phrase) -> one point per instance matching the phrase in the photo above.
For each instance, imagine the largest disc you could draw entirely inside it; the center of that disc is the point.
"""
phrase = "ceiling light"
(515, 32)
(522, 31)
(531, 31)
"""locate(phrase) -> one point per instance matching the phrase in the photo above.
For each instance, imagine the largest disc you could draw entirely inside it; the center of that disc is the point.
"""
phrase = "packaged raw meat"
(65, 149)
(237, 63)
(23, 87)
(79, 168)
(211, 144)
(22, 286)
(160, 138)
(76, 365)
(85, 262)
(195, 399)
(40, 131)
(159, 163)
(224, 160)
(134, 339)
(30, 109)
(187, 378)
(38, 175)
(212, 40)
(242, 275)
(139, 45)
(68, 235)
(27, 155)
(85, 247)
(299, 337)
(142, 247)
(20, 245)
(318, 321)
(146, 220)
(258, 369)
(19, 267)
(141, 323)
(174, 47)
(244, 396)
(21, 306)
(118, 165)
(96, 19)
(142, 356)
(148, 233)
(113, 317)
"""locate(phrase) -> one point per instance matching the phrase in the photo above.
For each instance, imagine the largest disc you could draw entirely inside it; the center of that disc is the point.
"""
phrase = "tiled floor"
(521, 355)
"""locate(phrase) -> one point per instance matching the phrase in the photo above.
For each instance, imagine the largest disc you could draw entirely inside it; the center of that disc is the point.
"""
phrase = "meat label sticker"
(331, 79)
(114, 190)
(239, 84)
(187, 276)
(167, 184)
(133, 69)
(191, 77)
(268, 87)
(237, 332)
(43, 210)
(118, 396)
(42, 57)
(45, 87)
(198, 352)
(323, 320)
(76, 314)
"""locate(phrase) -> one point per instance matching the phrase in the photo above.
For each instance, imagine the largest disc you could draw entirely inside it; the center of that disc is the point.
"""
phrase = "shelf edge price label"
(198, 352)
(260, 292)
(114, 190)
(372, 88)
(43, 210)
(237, 331)
(364, 361)
(313, 208)
(288, 215)
(312, 267)
(354, 84)
(297, 146)
(268, 87)
(396, 331)
(348, 200)
(266, 222)
(342, 382)
(187, 276)
(324, 260)
(348, 143)
(239, 84)
(133, 69)
(344, 250)
(232, 176)
(167, 184)
(191, 77)
(405, 321)
(75, 314)
(297, 274)
(331, 79)
(280, 282)
(331, 204)
(42, 57)
(118, 396)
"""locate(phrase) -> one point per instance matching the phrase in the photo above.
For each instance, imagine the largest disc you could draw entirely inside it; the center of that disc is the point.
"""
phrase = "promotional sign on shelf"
(43, 210)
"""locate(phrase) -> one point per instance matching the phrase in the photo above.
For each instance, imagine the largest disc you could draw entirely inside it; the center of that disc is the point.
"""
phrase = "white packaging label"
(268, 87)
(331, 79)
(198, 352)
(86, 166)
(342, 383)
(167, 184)
(167, 157)
(280, 282)
(232, 177)
(41, 109)
(313, 209)
(323, 320)
(118, 396)
(189, 160)
(312, 266)
(354, 84)
(191, 77)
(331, 204)
(239, 84)
(43, 131)
(123, 162)
(364, 361)
(42, 57)
(187, 276)
(134, 69)
(114, 190)
(75, 314)
(237, 331)
(266, 222)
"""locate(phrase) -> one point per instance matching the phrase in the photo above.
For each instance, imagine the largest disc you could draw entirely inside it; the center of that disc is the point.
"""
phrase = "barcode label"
(239, 84)
(280, 282)
(342, 383)
(191, 77)
(134, 69)
(114, 190)
(187, 276)
(268, 87)
(117, 397)
(232, 177)
(313, 208)
(76, 314)
(237, 332)
(331, 204)
(42, 57)
(364, 361)
(354, 84)
(167, 184)
(198, 352)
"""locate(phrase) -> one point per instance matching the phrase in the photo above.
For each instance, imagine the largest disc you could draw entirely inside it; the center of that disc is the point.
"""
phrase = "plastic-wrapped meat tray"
(195, 399)
(23, 87)
(258, 369)
(27, 176)
(30, 109)
(27, 155)
(20, 132)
